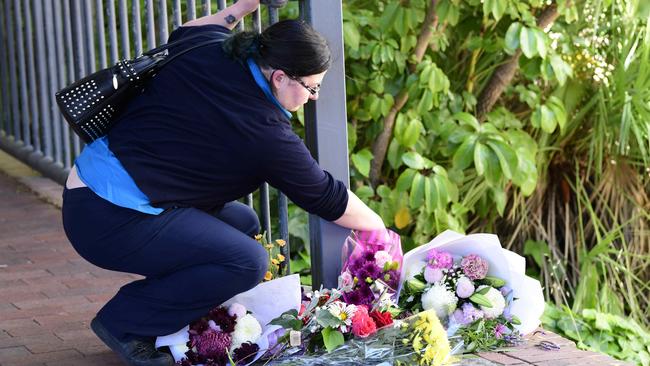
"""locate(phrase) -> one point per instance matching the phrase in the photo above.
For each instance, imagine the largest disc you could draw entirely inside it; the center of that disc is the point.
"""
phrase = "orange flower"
(268, 276)
(281, 258)
(281, 242)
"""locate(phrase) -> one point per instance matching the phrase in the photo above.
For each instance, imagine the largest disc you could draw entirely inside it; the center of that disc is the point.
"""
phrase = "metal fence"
(47, 44)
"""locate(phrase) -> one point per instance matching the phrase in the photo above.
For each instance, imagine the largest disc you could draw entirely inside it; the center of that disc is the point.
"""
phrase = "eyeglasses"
(313, 90)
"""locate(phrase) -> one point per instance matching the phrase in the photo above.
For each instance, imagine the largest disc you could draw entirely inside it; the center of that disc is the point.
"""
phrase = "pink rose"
(362, 323)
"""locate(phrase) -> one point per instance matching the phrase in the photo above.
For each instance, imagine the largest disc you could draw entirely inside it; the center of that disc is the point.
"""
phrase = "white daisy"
(344, 312)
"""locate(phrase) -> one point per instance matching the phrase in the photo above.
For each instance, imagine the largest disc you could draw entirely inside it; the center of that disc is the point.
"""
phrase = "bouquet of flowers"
(329, 330)
(474, 287)
(238, 331)
(372, 262)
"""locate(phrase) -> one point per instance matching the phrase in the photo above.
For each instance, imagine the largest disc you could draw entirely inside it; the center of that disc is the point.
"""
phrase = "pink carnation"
(474, 267)
(439, 259)
(211, 343)
(362, 323)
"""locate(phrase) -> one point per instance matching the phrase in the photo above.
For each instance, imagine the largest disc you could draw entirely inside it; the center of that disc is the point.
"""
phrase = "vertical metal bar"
(80, 54)
(205, 4)
(101, 33)
(191, 9)
(90, 36)
(53, 72)
(176, 12)
(257, 20)
(112, 31)
(63, 130)
(249, 200)
(326, 137)
(26, 135)
(11, 42)
(302, 11)
(4, 76)
(42, 76)
(283, 212)
(221, 4)
(80, 57)
(33, 101)
(70, 57)
(273, 15)
(137, 29)
(265, 210)
(151, 27)
(124, 30)
(162, 22)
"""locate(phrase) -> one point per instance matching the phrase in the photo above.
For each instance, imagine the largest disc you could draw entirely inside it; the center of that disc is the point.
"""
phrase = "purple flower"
(500, 330)
(432, 275)
(439, 259)
(507, 313)
(474, 267)
(211, 344)
(246, 352)
(222, 319)
(467, 314)
(392, 278)
(368, 255)
(464, 287)
(368, 270)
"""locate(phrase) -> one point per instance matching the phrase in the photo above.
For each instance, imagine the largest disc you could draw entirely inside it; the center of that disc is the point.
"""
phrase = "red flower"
(381, 319)
(302, 309)
(362, 323)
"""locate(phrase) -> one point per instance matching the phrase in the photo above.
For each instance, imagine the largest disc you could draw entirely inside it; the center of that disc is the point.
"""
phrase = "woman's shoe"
(134, 352)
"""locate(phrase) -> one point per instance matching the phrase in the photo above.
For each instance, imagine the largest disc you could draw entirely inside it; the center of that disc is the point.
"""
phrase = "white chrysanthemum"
(440, 299)
(247, 329)
(414, 269)
(344, 312)
(497, 301)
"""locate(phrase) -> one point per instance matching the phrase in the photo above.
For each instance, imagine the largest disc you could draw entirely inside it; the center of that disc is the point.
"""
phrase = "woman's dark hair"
(289, 45)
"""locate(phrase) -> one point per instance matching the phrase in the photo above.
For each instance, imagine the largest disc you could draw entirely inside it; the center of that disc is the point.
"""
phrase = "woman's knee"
(241, 217)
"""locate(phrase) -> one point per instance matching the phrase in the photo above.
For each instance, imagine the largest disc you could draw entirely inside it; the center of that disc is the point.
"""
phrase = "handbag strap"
(202, 44)
(220, 37)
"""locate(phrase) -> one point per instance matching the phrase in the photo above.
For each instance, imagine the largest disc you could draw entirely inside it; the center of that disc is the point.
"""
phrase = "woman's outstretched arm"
(358, 216)
(238, 10)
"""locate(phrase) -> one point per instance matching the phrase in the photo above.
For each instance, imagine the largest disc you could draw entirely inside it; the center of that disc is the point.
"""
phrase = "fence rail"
(46, 45)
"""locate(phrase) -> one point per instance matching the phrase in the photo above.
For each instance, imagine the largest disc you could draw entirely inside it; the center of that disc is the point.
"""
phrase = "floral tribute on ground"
(476, 288)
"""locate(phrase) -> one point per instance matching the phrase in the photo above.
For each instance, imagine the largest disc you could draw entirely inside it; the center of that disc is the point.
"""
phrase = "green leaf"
(492, 169)
(500, 199)
(481, 154)
(498, 8)
(467, 119)
(495, 282)
(430, 194)
(412, 133)
(405, 180)
(394, 155)
(413, 160)
(556, 105)
(528, 42)
(465, 153)
(325, 319)
(512, 38)
(548, 122)
(480, 300)
(417, 191)
(332, 338)
(541, 42)
(361, 161)
(537, 250)
(507, 157)
(441, 186)
(351, 35)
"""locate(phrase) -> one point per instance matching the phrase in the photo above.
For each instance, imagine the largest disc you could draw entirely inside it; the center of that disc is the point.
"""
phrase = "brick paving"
(48, 295)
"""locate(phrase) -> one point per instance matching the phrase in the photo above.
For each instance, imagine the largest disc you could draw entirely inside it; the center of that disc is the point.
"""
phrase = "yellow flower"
(268, 246)
(280, 242)
(281, 258)
(268, 276)
(275, 261)
(258, 237)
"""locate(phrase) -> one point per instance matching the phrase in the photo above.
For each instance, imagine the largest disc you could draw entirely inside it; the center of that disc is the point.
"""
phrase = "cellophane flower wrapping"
(417, 340)
(526, 297)
(264, 302)
(372, 261)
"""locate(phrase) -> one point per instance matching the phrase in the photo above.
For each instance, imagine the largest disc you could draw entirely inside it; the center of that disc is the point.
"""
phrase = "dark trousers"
(191, 260)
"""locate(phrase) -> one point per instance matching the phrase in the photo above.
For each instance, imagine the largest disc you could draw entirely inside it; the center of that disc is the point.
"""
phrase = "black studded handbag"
(92, 104)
